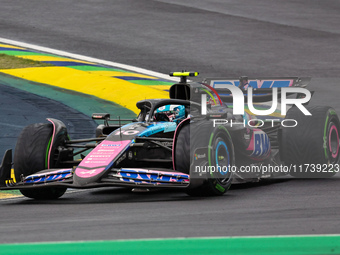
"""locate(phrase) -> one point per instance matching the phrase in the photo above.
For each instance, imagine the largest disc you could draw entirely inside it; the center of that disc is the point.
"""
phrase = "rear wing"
(262, 86)
(259, 83)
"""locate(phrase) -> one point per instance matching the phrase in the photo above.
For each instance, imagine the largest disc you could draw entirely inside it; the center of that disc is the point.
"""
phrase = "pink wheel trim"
(333, 128)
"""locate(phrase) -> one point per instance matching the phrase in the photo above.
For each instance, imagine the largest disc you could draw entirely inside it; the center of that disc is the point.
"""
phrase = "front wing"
(122, 177)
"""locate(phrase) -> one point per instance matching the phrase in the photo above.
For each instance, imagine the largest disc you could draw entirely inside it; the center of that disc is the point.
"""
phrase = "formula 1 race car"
(194, 141)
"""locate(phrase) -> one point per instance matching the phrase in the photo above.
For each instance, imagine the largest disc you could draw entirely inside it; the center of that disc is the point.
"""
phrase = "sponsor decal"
(169, 127)
(246, 136)
(137, 176)
(264, 84)
(127, 132)
(59, 175)
(95, 162)
(199, 156)
(121, 159)
(259, 144)
(111, 145)
(83, 173)
(168, 144)
(165, 127)
(100, 157)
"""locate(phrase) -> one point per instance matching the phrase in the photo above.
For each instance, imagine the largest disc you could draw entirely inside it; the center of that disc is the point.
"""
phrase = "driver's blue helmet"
(175, 113)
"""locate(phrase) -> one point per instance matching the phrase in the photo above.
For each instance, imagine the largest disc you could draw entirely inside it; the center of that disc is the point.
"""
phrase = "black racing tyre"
(220, 153)
(31, 156)
(311, 149)
(182, 149)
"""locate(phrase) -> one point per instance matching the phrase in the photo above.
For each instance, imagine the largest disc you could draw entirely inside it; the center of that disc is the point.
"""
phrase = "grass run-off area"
(11, 62)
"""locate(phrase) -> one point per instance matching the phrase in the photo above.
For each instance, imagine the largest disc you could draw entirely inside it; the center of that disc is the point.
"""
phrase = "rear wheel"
(312, 147)
(32, 155)
(210, 149)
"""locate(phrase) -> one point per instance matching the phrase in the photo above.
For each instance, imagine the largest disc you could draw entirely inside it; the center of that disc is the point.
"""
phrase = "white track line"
(89, 59)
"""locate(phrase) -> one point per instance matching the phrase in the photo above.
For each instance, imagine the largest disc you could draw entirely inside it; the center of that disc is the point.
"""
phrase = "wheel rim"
(222, 159)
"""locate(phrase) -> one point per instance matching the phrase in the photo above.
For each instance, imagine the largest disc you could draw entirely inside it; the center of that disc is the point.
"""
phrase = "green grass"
(11, 62)
(11, 192)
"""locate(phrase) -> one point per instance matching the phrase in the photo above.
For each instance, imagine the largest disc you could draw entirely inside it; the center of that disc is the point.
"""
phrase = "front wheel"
(211, 150)
(33, 153)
